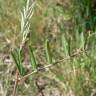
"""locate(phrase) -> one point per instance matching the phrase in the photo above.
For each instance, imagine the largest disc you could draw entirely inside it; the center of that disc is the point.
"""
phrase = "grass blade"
(48, 52)
(19, 61)
(13, 53)
(64, 44)
(82, 40)
(32, 59)
(17, 58)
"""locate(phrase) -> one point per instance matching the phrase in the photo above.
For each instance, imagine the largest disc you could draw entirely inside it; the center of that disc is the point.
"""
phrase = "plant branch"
(79, 51)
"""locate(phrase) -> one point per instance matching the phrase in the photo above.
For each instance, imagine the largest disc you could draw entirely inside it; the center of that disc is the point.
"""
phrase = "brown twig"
(16, 83)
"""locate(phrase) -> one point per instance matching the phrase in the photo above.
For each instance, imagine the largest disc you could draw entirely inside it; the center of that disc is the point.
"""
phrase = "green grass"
(69, 50)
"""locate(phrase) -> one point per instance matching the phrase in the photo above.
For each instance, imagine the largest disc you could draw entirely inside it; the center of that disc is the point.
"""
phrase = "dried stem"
(16, 83)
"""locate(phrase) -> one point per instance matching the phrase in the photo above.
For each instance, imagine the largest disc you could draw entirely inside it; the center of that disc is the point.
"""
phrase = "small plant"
(25, 25)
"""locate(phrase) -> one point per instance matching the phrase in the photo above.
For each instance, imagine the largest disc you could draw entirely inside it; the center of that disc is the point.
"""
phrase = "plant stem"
(16, 83)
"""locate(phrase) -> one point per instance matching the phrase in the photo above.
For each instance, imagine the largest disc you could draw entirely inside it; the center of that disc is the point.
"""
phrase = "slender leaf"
(82, 40)
(48, 52)
(17, 58)
(19, 61)
(32, 59)
(64, 44)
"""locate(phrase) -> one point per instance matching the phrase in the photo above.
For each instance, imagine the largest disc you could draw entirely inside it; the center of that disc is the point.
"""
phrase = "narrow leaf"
(48, 52)
(82, 40)
(64, 44)
(17, 58)
(32, 59)
(19, 61)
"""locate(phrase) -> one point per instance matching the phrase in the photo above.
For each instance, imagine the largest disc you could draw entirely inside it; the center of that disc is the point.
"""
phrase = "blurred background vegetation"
(76, 19)
(45, 14)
